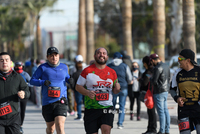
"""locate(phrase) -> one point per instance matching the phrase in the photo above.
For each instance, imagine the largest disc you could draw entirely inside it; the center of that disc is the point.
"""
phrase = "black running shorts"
(94, 118)
(52, 110)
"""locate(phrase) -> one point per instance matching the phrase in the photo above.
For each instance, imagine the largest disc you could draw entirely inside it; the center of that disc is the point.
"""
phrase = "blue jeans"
(122, 101)
(78, 98)
(162, 110)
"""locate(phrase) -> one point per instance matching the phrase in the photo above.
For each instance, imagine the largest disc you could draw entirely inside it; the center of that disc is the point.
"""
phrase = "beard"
(100, 62)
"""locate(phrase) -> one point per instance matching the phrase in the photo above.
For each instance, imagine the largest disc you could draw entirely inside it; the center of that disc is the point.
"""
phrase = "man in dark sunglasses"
(185, 88)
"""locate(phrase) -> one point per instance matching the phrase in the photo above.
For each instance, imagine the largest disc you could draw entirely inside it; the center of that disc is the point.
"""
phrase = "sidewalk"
(172, 107)
(35, 124)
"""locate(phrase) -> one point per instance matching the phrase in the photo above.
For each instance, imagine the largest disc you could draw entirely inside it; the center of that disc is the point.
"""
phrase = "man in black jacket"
(160, 81)
(12, 88)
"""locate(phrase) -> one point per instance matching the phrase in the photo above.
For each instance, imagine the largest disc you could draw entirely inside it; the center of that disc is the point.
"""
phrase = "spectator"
(124, 78)
(78, 96)
(160, 81)
(144, 80)
(134, 93)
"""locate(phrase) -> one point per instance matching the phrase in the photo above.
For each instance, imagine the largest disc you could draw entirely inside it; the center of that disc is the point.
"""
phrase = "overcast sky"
(54, 19)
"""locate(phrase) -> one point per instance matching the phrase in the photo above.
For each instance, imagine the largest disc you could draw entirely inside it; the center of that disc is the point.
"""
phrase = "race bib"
(102, 95)
(5, 109)
(54, 91)
(184, 124)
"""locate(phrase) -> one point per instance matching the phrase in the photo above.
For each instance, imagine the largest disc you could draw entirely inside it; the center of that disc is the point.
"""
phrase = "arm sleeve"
(156, 75)
(27, 76)
(35, 80)
(129, 75)
(174, 87)
(24, 87)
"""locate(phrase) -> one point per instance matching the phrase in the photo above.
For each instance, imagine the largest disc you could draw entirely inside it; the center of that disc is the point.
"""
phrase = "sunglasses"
(180, 59)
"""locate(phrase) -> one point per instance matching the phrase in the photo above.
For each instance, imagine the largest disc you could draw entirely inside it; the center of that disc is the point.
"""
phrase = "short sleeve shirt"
(95, 79)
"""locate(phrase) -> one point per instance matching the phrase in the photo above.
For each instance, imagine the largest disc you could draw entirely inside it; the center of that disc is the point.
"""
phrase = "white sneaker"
(78, 119)
(120, 127)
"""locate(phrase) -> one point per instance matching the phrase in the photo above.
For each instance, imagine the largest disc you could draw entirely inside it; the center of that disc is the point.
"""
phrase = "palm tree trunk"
(189, 25)
(159, 28)
(82, 30)
(38, 39)
(127, 27)
(90, 30)
(177, 24)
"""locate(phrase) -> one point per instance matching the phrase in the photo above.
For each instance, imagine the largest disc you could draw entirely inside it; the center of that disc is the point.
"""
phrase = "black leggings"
(132, 100)
(23, 103)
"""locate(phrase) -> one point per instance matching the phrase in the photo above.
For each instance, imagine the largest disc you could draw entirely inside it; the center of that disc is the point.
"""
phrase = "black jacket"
(75, 77)
(144, 80)
(9, 88)
(161, 78)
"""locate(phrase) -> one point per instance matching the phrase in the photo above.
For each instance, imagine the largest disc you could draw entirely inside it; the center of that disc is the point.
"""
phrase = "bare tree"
(159, 28)
(90, 30)
(127, 27)
(82, 30)
(189, 25)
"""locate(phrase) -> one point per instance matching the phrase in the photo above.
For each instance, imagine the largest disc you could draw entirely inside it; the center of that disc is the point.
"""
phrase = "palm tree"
(127, 29)
(189, 25)
(82, 30)
(159, 28)
(35, 8)
(90, 29)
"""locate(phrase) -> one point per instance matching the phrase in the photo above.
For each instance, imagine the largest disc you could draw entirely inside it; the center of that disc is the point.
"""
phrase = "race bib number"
(184, 124)
(54, 91)
(5, 109)
(102, 95)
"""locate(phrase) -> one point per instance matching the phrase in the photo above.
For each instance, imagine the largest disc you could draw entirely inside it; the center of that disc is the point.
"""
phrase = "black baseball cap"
(188, 54)
(52, 50)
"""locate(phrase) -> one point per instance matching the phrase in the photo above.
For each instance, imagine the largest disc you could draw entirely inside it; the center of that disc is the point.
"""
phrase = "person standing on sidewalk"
(160, 80)
(134, 92)
(144, 80)
(185, 89)
(124, 77)
(19, 69)
(13, 88)
(78, 96)
(96, 83)
(52, 76)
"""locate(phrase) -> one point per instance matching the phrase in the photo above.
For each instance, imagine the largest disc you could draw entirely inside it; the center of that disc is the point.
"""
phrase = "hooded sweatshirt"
(123, 72)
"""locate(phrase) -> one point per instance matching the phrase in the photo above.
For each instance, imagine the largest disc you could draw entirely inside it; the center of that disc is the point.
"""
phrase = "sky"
(69, 14)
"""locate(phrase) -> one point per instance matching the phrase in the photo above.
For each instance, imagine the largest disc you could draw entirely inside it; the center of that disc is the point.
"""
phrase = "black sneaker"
(21, 130)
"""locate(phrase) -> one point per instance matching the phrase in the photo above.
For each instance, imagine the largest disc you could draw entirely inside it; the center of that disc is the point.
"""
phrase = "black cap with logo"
(188, 54)
(52, 50)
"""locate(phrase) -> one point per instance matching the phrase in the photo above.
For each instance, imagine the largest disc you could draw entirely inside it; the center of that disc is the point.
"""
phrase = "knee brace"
(184, 124)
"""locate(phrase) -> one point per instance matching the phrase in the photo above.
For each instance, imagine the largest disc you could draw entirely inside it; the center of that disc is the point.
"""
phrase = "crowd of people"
(97, 87)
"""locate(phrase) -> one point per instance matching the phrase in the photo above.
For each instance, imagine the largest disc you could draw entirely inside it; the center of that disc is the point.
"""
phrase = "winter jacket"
(161, 78)
(8, 93)
(123, 72)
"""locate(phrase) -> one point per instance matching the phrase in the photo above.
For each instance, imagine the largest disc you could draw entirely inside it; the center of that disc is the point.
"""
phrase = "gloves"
(71, 81)
(47, 83)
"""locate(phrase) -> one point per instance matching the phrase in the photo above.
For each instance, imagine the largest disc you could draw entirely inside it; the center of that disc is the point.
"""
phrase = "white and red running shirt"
(100, 80)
